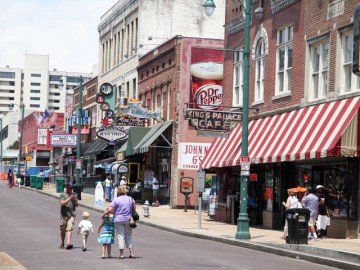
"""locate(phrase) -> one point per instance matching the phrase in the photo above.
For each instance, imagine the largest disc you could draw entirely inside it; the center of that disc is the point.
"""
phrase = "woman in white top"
(291, 202)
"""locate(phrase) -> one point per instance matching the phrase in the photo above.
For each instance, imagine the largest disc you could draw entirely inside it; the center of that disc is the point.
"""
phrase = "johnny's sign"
(212, 120)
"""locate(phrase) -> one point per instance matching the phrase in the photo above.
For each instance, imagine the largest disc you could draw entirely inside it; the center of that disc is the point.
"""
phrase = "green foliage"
(208, 181)
(15, 145)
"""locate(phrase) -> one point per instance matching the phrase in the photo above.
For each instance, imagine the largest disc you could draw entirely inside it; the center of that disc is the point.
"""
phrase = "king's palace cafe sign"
(212, 120)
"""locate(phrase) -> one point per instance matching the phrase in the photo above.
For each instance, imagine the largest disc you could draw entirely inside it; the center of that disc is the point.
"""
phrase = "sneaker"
(310, 237)
(316, 239)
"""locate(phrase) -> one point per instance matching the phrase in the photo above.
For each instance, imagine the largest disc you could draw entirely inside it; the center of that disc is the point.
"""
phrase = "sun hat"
(123, 177)
(319, 186)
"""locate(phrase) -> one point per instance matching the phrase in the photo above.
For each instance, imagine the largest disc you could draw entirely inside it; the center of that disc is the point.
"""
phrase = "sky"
(65, 30)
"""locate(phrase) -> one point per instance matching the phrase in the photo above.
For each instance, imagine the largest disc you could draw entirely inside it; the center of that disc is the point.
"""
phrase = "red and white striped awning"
(325, 130)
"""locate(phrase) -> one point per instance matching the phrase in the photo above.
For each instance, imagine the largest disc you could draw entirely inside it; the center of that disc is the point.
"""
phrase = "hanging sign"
(112, 133)
(212, 120)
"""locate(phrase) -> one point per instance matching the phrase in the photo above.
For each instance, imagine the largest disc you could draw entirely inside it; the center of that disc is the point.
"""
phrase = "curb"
(267, 248)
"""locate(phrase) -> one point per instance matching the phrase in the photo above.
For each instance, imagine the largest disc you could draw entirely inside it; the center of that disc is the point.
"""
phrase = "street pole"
(22, 106)
(242, 231)
(78, 141)
(243, 219)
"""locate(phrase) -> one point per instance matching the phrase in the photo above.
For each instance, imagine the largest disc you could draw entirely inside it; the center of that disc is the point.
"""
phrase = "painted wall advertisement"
(206, 72)
(191, 155)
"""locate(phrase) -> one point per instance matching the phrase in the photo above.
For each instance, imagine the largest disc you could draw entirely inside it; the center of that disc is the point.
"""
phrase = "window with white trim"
(238, 77)
(259, 70)
(319, 63)
(284, 54)
(348, 81)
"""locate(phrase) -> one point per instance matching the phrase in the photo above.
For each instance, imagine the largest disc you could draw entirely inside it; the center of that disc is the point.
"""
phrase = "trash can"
(39, 182)
(33, 181)
(27, 181)
(297, 219)
(60, 184)
(77, 190)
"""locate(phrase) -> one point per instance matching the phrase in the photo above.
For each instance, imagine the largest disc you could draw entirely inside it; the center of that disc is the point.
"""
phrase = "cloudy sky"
(66, 30)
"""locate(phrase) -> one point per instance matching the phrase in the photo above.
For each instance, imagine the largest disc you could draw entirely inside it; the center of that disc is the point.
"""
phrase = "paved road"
(29, 233)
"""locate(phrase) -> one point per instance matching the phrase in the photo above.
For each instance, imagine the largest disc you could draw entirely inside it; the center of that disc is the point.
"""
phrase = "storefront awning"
(325, 130)
(151, 136)
(96, 147)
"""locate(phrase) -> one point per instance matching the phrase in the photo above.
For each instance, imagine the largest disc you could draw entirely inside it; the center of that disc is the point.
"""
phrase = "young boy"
(85, 226)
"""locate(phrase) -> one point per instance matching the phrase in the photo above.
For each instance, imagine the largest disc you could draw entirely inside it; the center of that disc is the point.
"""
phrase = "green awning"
(150, 138)
(97, 147)
(136, 134)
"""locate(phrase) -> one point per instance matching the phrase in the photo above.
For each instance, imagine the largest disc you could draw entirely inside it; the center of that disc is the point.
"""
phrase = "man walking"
(68, 201)
(10, 177)
(311, 202)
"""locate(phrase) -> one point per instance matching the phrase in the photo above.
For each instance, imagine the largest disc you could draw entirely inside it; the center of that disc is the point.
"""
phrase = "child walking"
(106, 237)
(85, 226)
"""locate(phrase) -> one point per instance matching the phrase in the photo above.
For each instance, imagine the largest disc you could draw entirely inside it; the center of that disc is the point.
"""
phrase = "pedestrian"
(323, 216)
(123, 181)
(291, 202)
(68, 201)
(137, 190)
(155, 189)
(10, 177)
(47, 178)
(106, 237)
(85, 226)
(121, 207)
(108, 187)
(311, 202)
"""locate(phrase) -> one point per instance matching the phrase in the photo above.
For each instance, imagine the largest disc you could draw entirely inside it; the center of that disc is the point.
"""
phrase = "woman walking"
(291, 202)
(121, 207)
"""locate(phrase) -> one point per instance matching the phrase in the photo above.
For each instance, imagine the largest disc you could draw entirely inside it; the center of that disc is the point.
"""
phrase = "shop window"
(134, 172)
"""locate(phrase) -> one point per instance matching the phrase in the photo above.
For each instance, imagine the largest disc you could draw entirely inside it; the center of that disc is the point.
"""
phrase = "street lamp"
(242, 231)
(22, 107)
(78, 139)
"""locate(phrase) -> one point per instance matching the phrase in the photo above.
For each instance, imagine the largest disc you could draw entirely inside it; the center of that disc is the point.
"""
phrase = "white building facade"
(131, 28)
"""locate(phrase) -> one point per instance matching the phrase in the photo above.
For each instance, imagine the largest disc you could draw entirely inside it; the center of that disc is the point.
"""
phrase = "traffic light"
(356, 48)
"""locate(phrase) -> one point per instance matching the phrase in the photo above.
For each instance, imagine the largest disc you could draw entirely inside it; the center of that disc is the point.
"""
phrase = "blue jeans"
(108, 190)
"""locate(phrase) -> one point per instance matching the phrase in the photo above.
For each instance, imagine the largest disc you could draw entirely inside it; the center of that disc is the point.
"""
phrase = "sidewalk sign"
(99, 194)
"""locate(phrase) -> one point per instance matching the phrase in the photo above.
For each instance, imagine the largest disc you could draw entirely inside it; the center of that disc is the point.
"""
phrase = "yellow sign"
(28, 158)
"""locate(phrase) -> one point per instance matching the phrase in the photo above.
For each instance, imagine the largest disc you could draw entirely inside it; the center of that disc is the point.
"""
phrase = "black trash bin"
(77, 189)
(297, 219)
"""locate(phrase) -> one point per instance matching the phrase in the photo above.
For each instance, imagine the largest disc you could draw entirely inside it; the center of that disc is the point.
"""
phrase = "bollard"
(146, 209)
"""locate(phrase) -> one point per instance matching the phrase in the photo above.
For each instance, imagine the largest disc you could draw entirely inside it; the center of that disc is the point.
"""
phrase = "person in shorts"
(85, 226)
(68, 201)
(311, 202)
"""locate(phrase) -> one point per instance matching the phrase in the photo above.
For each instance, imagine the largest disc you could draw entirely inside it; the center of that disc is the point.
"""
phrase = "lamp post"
(78, 138)
(22, 107)
(242, 231)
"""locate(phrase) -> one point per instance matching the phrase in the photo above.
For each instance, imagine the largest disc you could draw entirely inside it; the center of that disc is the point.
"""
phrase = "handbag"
(134, 217)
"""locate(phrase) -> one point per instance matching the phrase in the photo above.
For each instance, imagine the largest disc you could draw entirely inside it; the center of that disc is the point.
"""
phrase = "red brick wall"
(271, 23)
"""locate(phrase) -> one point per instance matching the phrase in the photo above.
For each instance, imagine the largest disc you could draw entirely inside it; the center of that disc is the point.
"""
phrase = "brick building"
(165, 82)
(304, 104)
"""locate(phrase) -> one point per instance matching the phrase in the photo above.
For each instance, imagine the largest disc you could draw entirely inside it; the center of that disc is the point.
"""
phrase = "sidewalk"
(341, 253)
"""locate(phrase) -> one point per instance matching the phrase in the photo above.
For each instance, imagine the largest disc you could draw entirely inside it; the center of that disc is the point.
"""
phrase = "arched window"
(259, 70)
